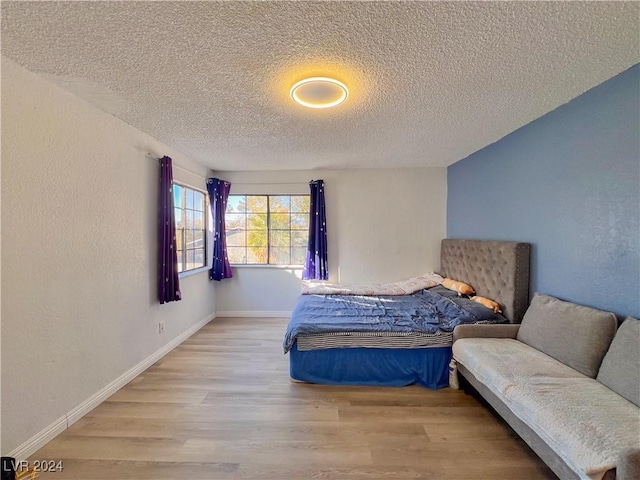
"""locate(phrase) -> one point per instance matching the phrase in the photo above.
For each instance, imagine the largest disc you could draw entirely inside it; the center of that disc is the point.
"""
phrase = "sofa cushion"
(576, 335)
(503, 362)
(585, 423)
(582, 421)
(620, 369)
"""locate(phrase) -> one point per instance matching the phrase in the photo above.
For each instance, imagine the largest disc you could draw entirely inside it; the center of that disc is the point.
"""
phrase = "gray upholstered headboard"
(497, 270)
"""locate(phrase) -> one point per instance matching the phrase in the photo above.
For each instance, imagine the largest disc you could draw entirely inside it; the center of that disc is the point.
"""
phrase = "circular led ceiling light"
(319, 92)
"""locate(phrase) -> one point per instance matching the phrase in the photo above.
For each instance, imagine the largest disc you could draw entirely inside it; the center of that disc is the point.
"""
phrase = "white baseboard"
(61, 424)
(252, 313)
(41, 438)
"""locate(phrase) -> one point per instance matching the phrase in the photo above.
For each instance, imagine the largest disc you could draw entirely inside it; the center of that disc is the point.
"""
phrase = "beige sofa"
(567, 381)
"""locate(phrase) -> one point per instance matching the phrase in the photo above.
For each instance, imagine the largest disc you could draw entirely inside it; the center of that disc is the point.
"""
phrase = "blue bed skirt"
(384, 367)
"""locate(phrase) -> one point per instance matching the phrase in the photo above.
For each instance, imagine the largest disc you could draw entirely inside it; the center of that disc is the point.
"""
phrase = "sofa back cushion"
(576, 335)
(620, 369)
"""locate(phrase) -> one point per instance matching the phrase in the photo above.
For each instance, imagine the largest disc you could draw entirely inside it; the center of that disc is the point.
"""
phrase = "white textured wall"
(79, 248)
(383, 225)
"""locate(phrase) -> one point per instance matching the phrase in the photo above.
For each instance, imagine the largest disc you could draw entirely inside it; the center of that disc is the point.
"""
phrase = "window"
(191, 227)
(267, 229)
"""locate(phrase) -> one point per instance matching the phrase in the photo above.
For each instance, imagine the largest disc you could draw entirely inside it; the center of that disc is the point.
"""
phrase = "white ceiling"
(430, 82)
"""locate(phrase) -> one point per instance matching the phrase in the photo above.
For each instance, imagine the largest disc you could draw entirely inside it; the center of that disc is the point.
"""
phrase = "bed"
(393, 340)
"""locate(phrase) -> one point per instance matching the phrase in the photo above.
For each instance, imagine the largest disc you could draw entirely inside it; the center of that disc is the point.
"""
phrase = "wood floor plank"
(221, 406)
(250, 471)
(276, 452)
(413, 414)
(77, 469)
(450, 431)
(159, 395)
(172, 428)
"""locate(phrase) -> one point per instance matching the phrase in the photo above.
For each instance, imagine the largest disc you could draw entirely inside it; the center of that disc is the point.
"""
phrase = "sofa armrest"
(628, 464)
(485, 331)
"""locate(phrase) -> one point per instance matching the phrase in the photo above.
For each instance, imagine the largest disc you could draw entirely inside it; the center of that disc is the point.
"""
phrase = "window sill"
(193, 272)
(287, 267)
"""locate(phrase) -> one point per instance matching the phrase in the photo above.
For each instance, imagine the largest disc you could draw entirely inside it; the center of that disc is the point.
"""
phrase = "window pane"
(280, 238)
(177, 196)
(198, 220)
(178, 216)
(299, 238)
(300, 203)
(235, 238)
(257, 238)
(298, 254)
(300, 221)
(179, 239)
(198, 239)
(279, 221)
(280, 203)
(198, 256)
(198, 201)
(257, 204)
(235, 221)
(257, 255)
(189, 219)
(189, 198)
(188, 239)
(236, 255)
(236, 203)
(279, 256)
(180, 265)
(257, 221)
(191, 263)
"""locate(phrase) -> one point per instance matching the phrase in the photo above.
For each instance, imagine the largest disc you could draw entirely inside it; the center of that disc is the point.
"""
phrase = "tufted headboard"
(497, 270)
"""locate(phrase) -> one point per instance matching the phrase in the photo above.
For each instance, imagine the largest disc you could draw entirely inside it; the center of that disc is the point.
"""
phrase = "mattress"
(373, 340)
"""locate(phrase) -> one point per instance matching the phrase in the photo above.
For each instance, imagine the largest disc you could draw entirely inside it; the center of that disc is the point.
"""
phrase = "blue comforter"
(425, 311)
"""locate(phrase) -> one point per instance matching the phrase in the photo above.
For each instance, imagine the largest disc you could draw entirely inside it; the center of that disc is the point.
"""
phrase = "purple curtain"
(218, 195)
(168, 281)
(315, 264)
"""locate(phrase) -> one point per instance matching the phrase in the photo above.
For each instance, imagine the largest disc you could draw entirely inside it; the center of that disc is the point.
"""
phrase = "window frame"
(205, 228)
(269, 230)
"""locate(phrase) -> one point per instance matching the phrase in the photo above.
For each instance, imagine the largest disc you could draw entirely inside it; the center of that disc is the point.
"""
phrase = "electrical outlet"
(160, 327)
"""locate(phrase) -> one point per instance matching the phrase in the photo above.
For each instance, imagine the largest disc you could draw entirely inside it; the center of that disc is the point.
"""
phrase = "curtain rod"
(156, 158)
(269, 183)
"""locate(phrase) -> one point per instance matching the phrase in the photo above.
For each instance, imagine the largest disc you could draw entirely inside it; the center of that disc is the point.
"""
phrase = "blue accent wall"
(568, 183)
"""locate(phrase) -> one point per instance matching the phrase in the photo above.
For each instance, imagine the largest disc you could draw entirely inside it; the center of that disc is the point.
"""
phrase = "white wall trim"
(61, 424)
(40, 439)
(252, 313)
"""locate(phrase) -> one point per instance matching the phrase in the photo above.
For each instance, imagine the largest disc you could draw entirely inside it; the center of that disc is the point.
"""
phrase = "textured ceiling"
(429, 83)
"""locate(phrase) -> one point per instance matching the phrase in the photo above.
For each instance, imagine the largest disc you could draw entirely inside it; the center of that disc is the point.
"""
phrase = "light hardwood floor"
(222, 406)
